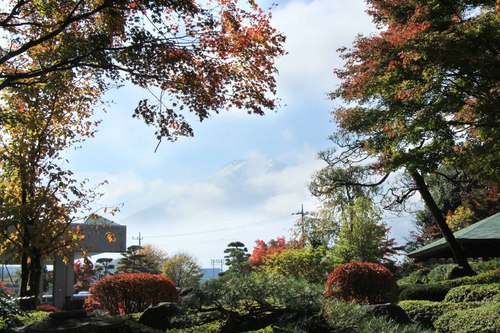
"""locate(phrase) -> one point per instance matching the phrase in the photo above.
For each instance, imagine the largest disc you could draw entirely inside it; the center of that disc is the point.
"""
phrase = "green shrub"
(428, 292)
(438, 273)
(484, 266)
(213, 327)
(362, 282)
(9, 309)
(474, 293)
(34, 317)
(272, 291)
(426, 312)
(427, 275)
(348, 317)
(483, 319)
(483, 278)
(129, 293)
(253, 294)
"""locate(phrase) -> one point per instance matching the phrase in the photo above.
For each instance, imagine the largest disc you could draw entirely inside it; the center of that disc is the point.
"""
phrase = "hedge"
(426, 312)
(483, 278)
(474, 293)
(483, 319)
(428, 292)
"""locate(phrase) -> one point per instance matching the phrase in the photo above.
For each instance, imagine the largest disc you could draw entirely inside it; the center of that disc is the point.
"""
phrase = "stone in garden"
(158, 316)
(391, 311)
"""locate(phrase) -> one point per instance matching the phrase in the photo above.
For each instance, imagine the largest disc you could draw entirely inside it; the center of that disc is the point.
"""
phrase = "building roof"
(94, 219)
(482, 239)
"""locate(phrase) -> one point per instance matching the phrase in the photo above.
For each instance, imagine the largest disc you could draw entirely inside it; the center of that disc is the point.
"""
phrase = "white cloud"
(315, 30)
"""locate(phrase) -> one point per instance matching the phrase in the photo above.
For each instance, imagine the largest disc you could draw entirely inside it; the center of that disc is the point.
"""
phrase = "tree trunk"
(458, 253)
(31, 270)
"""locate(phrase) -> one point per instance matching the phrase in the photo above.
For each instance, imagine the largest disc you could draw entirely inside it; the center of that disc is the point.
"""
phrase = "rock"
(73, 314)
(158, 316)
(391, 312)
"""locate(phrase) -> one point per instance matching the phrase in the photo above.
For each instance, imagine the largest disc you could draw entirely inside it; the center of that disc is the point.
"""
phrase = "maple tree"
(201, 57)
(262, 250)
(421, 93)
(39, 198)
(85, 274)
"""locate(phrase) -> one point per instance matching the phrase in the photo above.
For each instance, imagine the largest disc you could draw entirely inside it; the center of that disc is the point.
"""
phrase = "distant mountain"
(235, 183)
(238, 176)
(242, 169)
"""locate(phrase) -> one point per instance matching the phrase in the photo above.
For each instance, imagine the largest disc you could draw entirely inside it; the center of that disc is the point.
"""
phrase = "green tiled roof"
(487, 230)
(99, 220)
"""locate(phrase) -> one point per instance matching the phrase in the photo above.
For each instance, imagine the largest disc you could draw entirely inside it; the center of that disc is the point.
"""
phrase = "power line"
(302, 226)
(218, 229)
(138, 238)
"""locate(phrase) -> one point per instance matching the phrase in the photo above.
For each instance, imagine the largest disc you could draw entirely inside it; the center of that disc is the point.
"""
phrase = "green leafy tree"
(312, 264)
(197, 56)
(421, 94)
(323, 226)
(236, 257)
(182, 269)
(363, 235)
(317, 229)
(39, 198)
(154, 256)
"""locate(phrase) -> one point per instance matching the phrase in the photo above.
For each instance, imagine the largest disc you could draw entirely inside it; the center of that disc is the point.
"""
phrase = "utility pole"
(302, 226)
(138, 238)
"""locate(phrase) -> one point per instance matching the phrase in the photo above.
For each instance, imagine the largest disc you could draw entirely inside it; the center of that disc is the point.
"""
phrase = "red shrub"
(131, 293)
(362, 282)
(47, 308)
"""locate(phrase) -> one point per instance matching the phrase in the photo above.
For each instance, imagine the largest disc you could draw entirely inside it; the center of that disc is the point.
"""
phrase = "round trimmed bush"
(131, 292)
(362, 282)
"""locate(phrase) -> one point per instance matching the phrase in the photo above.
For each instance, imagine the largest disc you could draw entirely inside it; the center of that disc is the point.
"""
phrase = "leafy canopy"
(197, 56)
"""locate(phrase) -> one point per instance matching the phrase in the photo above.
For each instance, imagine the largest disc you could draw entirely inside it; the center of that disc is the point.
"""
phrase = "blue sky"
(241, 177)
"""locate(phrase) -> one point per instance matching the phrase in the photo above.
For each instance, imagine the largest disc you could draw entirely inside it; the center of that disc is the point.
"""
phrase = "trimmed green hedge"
(483, 278)
(428, 292)
(438, 273)
(483, 319)
(474, 293)
(426, 312)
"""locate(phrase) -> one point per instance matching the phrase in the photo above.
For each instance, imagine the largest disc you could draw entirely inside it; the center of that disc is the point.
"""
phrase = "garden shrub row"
(483, 278)
(429, 292)
(427, 312)
(474, 293)
(441, 272)
(349, 317)
(483, 319)
(438, 291)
